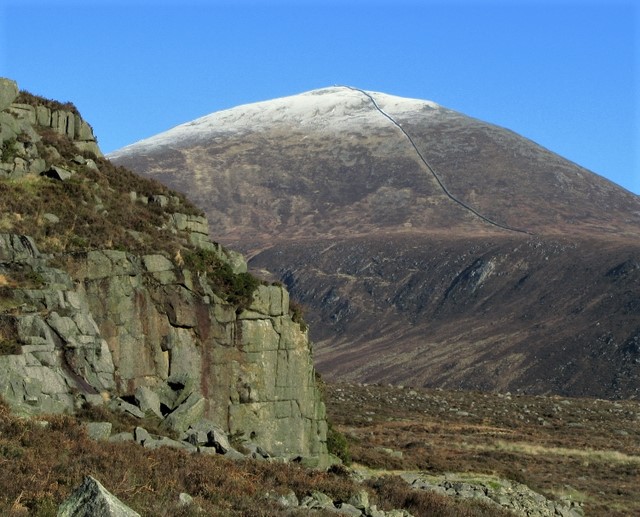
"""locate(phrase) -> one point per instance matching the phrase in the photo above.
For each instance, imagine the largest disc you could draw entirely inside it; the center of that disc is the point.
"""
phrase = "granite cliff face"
(183, 333)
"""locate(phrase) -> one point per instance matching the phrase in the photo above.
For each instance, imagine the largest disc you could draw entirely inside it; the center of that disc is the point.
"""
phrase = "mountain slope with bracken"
(430, 248)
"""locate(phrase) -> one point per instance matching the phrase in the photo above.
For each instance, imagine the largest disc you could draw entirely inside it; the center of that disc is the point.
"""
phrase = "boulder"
(219, 440)
(98, 430)
(360, 500)
(349, 509)
(255, 451)
(317, 500)
(159, 200)
(124, 407)
(17, 248)
(288, 499)
(206, 433)
(148, 400)
(185, 499)
(232, 454)
(141, 435)
(163, 441)
(51, 218)
(186, 414)
(58, 173)
(8, 92)
(91, 499)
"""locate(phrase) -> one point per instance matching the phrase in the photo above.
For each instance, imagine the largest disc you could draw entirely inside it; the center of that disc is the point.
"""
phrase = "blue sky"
(562, 73)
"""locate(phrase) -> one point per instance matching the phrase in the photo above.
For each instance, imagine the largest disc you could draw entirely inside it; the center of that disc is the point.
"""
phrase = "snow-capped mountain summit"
(326, 109)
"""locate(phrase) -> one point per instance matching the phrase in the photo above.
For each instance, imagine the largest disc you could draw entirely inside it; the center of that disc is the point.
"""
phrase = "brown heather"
(94, 206)
(584, 449)
(41, 464)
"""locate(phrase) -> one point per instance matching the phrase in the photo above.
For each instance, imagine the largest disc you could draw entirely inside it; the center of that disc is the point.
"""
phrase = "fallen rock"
(164, 441)
(317, 500)
(124, 407)
(141, 435)
(98, 430)
(148, 400)
(91, 499)
(255, 451)
(58, 173)
(186, 414)
(121, 437)
(288, 499)
(360, 500)
(349, 509)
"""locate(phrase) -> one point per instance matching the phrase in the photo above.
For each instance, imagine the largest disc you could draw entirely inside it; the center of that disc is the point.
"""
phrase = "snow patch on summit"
(327, 109)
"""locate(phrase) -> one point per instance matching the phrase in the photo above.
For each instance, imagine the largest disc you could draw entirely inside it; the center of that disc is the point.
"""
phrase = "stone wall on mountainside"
(144, 331)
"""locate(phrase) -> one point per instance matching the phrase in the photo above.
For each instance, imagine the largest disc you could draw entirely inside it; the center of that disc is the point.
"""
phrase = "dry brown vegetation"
(94, 206)
(41, 464)
(586, 449)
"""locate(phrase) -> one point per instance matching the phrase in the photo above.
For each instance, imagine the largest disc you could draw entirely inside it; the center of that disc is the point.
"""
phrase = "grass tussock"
(296, 311)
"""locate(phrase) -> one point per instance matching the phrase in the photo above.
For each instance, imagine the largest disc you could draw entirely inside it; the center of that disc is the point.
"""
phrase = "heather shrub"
(8, 150)
(296, 311)
(9, 342)
(337, 444)
(236, 289)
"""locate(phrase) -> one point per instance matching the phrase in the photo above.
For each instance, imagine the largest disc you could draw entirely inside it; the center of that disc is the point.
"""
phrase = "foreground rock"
(91, 499)
(357, 505)
(515, 497)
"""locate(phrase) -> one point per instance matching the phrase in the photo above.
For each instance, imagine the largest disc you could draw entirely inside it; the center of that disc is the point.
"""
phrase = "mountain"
(429, 248)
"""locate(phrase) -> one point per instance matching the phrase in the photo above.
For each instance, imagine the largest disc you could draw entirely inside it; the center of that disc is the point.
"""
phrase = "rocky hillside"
(429, 248)
(113, 295)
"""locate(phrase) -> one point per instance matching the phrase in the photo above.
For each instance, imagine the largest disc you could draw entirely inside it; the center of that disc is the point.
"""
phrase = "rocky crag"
(180, 332)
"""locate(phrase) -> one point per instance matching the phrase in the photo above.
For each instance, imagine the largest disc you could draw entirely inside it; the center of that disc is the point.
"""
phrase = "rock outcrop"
(91, 499)
(514, 497)
(20, 141)
(149, 334)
